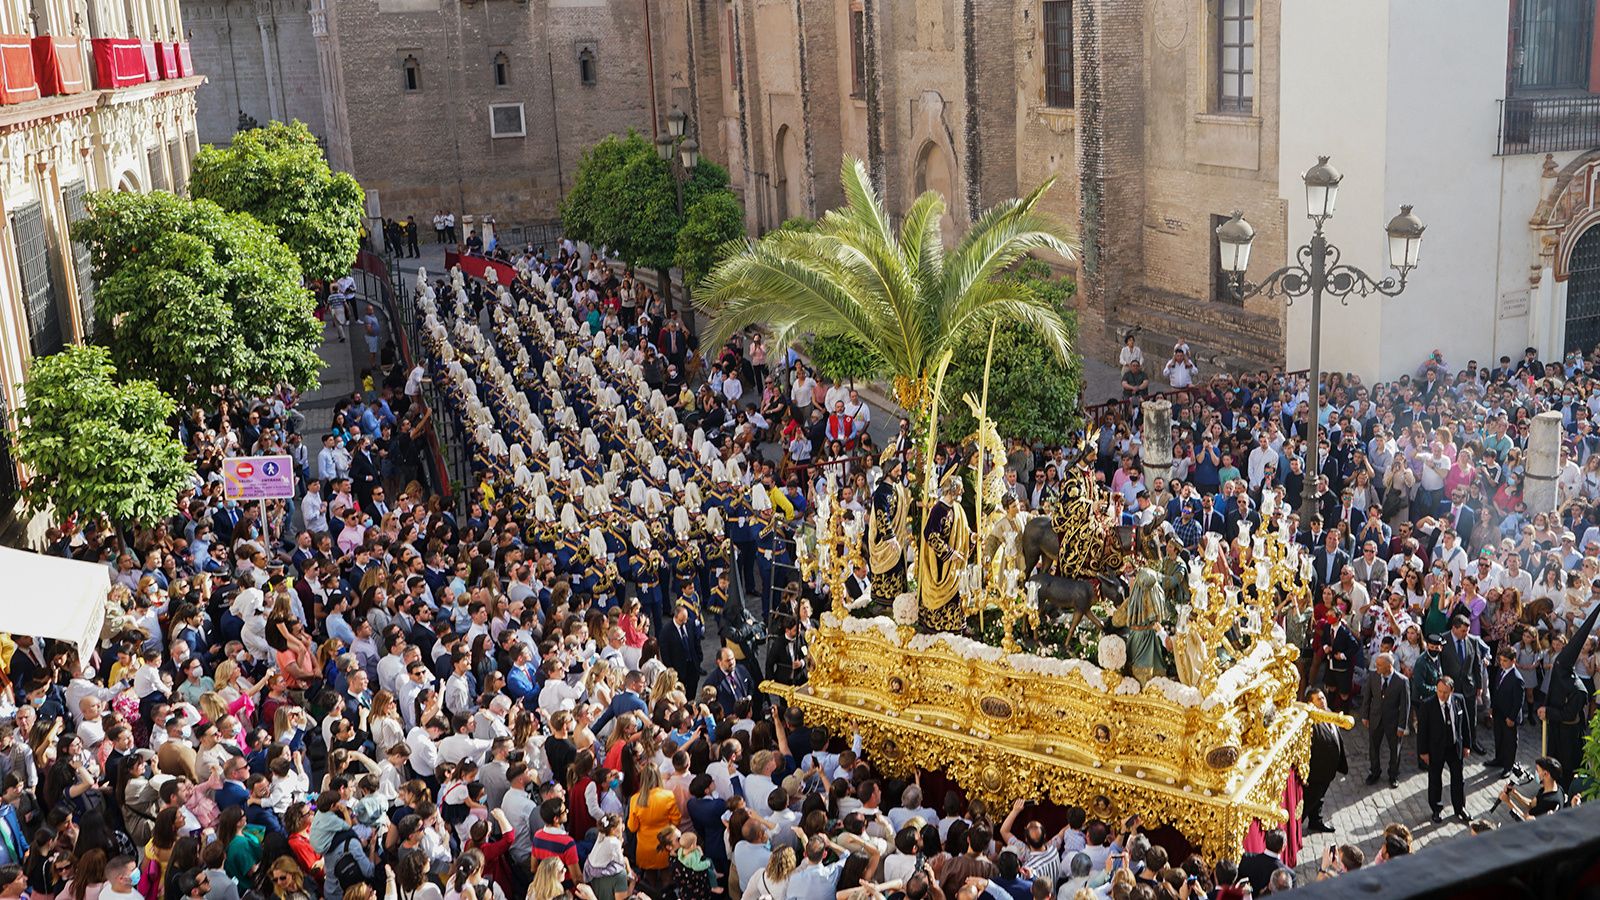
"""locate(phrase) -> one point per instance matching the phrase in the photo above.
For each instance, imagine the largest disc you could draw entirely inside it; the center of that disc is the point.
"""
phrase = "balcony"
(1548, 124)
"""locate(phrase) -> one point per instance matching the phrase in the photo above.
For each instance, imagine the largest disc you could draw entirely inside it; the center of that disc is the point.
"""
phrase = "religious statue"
(941, 563)
(1143, 614)
(889, 533)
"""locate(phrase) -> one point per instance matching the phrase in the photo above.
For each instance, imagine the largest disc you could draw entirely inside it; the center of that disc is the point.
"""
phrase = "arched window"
(412, 74)
(587, 73)
(502, 70)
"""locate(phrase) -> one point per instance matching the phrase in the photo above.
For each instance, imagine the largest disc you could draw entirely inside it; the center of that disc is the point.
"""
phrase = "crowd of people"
(556, 693)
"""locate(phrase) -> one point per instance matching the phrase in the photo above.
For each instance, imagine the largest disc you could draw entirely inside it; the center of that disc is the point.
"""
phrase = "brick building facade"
(1157, 117)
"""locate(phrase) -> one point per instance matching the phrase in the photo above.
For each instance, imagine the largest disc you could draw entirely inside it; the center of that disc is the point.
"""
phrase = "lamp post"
(688, 158)
(1318, 272)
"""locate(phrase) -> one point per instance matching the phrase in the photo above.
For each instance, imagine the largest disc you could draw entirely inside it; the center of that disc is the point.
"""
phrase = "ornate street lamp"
(664, 146)
(689, 154)
(677, 121)
(1319, 271)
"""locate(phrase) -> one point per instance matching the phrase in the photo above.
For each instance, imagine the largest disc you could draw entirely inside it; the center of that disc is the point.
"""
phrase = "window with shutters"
(158, 170)
(1058, 53)
(82, 265)
(1235, 62)
(38, 280)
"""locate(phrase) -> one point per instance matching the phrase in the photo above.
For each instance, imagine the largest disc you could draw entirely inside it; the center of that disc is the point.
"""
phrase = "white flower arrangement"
(853, 625)
(1128, 687)
(1059, 668)
(1113, 653)
(964, 647)
(1175, 691)
(905, 608)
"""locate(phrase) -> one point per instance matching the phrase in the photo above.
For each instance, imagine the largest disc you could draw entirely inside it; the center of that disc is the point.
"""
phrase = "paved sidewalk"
(1360, 813)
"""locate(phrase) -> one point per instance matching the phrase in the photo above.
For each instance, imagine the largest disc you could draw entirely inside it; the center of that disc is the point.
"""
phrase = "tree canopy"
(96, 447)
(279, 175)
(1033, 393)
(713, 221)
(894, 290)
(624, 199)
(192, 297)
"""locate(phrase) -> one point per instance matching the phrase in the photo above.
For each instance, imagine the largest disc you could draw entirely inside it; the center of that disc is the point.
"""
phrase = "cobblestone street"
(1359, 811)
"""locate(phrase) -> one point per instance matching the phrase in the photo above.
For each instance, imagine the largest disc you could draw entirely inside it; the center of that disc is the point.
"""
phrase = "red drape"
(185, 60)
(58, 62)
(118, 63)
(152, 72)
(167, 60)
(1293, 793)
(17, 81)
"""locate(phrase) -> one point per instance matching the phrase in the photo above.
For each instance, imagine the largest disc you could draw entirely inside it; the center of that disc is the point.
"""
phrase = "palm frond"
(1001, 236)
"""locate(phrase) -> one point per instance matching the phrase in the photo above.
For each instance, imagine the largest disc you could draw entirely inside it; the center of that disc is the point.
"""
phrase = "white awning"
(50, 596)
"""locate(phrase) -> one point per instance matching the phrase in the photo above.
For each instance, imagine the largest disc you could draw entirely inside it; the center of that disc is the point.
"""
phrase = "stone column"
(1156, 438)
(1544, 450)
(268, 27)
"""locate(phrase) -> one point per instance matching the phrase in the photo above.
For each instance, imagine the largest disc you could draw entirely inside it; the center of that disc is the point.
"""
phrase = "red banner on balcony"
(152, 72)
(17, 81)
(118, 63)
(185, 60)
(167, 60)
(58, 62)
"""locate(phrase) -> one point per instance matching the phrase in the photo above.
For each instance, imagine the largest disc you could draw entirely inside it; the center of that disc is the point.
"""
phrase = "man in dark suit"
(1211, 519)
(680, 646)
(1442, 732)
(1505, 708)
(1344, 656)
(1313, 536)
(786, 657)
(629, 699)
(1463, 657)
(1328, 560)
(732, 681)
(1461, 516)
(1385, 713)
(364, 472)
(1328, 761)
(1258, 867)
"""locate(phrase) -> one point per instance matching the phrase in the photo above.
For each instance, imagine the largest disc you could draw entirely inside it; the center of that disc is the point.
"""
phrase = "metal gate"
(1583, 294)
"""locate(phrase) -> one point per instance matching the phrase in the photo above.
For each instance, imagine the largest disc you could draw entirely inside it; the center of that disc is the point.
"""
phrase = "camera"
(1521, 774)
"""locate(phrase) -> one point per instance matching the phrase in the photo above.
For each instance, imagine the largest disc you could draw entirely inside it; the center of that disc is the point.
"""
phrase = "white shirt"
(556, 695)
(424, 752)
(391, 669)
(457, 747)
(315, 512)
(804, 392)
(414, 380)
(1180, 374)
(757, 788)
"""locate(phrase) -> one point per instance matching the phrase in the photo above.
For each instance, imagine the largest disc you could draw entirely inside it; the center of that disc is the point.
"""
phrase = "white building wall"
(1447, 68)
(1334, 76)
(1402, 94)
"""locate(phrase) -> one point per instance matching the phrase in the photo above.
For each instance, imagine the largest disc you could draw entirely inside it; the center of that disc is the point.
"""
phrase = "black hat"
(1435, 639)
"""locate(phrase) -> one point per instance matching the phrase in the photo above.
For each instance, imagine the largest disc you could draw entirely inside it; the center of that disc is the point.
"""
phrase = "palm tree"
(900, 295)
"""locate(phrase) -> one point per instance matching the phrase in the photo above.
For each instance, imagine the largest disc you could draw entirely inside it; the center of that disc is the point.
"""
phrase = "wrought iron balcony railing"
(1548, 124)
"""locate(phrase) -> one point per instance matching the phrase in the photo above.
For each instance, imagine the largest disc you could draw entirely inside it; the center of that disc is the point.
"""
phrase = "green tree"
(1033, 394)
(192, 297)
(96, 447)
(797, 223)
(624, 199)
(712, 222)
(898, 292)
(842, 358)
(279, 175)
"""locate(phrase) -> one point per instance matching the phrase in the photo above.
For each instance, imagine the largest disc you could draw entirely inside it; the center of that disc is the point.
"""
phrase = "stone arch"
(128, 182)
(934, 173)
(788, 170)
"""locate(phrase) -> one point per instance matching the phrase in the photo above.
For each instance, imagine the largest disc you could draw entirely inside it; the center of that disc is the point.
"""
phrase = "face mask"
(133, 879)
